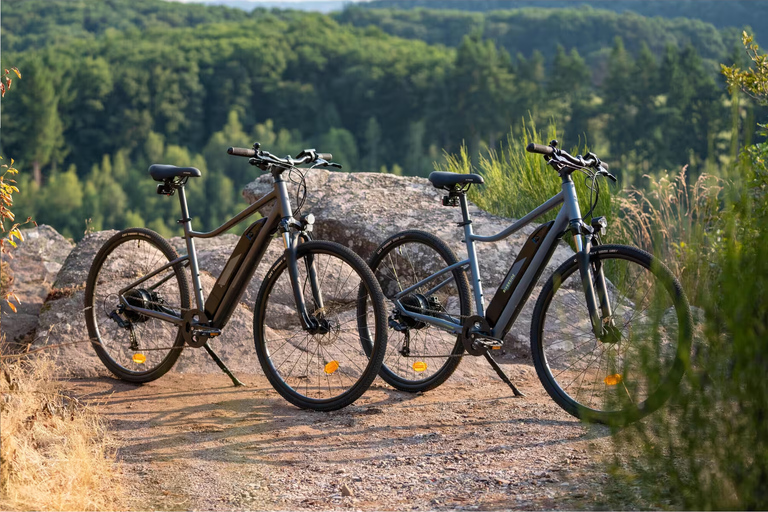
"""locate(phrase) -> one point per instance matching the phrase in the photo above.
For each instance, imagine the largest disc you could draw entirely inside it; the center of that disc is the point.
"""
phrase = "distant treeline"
(720, 13)
(177, 83)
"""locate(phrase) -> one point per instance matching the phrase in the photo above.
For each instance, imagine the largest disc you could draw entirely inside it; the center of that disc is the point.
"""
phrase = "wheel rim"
(318, 366)
(631, 372)
(152, 341)
(429, 348)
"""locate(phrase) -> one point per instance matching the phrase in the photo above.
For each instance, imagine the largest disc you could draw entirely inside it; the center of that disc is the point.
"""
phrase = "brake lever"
(324, 163)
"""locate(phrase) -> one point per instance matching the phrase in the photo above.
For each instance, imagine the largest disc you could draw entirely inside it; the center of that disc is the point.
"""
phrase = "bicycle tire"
(150, 347)
(433, 255)
(335, 359)
(656, 348)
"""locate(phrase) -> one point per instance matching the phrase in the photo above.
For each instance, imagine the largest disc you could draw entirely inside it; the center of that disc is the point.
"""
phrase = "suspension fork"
(290, 240)
(309, 262)
(582, 239)
(602, 291)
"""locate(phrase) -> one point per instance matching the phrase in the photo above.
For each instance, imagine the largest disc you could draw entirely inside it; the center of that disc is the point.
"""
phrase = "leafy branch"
(753, 81)
(8, 186)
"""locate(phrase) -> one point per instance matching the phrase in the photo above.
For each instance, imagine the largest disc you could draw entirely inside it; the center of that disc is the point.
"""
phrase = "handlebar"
(540, 149)
(558, 156)
(241, 152)
(259, 157)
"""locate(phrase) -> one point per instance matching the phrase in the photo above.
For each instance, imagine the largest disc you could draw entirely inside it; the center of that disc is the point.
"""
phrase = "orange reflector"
(496, 348)
(139, 358)
(331, 367)
(419, 366)
(612, 380)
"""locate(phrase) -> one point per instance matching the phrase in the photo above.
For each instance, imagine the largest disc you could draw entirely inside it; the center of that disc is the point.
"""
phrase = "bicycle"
(610, 331)
(307, 331)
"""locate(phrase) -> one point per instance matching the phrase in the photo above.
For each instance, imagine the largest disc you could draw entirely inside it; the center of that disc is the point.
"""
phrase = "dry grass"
(673, 220)
(56, 453)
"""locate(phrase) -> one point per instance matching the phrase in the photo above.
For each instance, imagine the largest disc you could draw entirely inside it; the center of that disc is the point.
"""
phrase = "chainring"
(474, 327)
(189, 325)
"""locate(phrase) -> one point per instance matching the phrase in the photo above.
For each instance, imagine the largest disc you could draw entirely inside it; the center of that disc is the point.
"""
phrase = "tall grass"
(56, 454)
(676, 221)
(516, 181)
(709, 448)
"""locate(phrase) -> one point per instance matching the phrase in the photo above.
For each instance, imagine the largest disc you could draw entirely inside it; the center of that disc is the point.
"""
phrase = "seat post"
(466, 223)
(186, 222)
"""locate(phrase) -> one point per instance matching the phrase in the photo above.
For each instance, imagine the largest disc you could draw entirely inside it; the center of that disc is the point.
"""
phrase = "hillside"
(732, 13)
(591, 31)
(110, 87)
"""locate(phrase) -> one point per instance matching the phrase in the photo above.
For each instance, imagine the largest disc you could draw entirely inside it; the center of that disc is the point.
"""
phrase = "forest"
(733, 13)
(110, 87)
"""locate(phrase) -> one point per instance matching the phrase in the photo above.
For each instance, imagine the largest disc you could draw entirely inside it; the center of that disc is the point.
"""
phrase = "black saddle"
(448, 180)
(161, 172)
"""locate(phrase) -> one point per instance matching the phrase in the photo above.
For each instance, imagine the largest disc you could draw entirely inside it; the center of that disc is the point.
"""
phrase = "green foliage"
(753, 81)
(530, 28)
(717, 12)
(161, 82)
(708, 449)
(9, 227)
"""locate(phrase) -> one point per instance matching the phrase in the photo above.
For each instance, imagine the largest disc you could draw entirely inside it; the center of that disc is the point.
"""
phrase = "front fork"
(595, 288)
(293, 233)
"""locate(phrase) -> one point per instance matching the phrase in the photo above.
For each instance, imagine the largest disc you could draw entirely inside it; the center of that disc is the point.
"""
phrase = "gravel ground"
(195, 442)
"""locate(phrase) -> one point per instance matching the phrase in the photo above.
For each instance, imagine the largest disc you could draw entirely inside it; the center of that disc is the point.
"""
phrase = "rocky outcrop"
(361, 210)
(34, 265)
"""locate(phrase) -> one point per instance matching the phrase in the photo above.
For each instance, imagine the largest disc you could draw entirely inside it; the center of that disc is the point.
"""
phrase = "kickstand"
(502, 375)
(221, 364)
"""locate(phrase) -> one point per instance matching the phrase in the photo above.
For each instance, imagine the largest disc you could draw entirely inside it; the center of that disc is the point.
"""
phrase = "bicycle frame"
(243, 268)
(568, 217)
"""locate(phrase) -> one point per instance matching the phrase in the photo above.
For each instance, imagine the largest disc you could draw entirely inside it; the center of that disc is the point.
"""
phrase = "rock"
(361, 210)
(346, 490)
(62, 322)
(34, 265)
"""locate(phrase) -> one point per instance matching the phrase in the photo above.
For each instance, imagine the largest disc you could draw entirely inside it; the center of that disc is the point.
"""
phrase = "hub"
(414, 303)
(611, 334)
(145, 299)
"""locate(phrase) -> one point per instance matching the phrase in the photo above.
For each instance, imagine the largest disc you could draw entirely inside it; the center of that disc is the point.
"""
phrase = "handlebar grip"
(241, 152)
(325, 156)
(540, 149)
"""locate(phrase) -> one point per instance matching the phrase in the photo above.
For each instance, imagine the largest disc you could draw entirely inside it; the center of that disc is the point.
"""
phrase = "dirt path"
(194, 442)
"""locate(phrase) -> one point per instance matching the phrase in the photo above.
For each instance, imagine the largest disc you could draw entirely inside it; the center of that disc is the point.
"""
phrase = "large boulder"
(33, 267)
(361, 210)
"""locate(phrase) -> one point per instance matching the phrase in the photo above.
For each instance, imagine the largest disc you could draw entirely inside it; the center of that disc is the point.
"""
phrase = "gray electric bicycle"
(316, 308)
(611, 329)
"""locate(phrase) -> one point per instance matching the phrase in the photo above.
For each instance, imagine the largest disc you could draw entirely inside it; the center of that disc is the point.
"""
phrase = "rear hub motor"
(414, 303)
(139, 298)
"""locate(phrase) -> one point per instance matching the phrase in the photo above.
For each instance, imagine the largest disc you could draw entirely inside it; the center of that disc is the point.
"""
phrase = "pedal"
(491, 343)
(210, 332)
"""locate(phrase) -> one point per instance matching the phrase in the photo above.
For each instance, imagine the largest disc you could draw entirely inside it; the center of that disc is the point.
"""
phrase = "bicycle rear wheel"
(134, 347)
(324, 368)
(621, 378)
(420, 356)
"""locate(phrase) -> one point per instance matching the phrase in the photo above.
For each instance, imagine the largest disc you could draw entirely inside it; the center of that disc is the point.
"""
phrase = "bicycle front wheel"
(325, 367)
(135, 347)
(631, 373)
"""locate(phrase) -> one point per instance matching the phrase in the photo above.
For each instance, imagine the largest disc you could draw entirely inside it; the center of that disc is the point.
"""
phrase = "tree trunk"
(36, 174)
